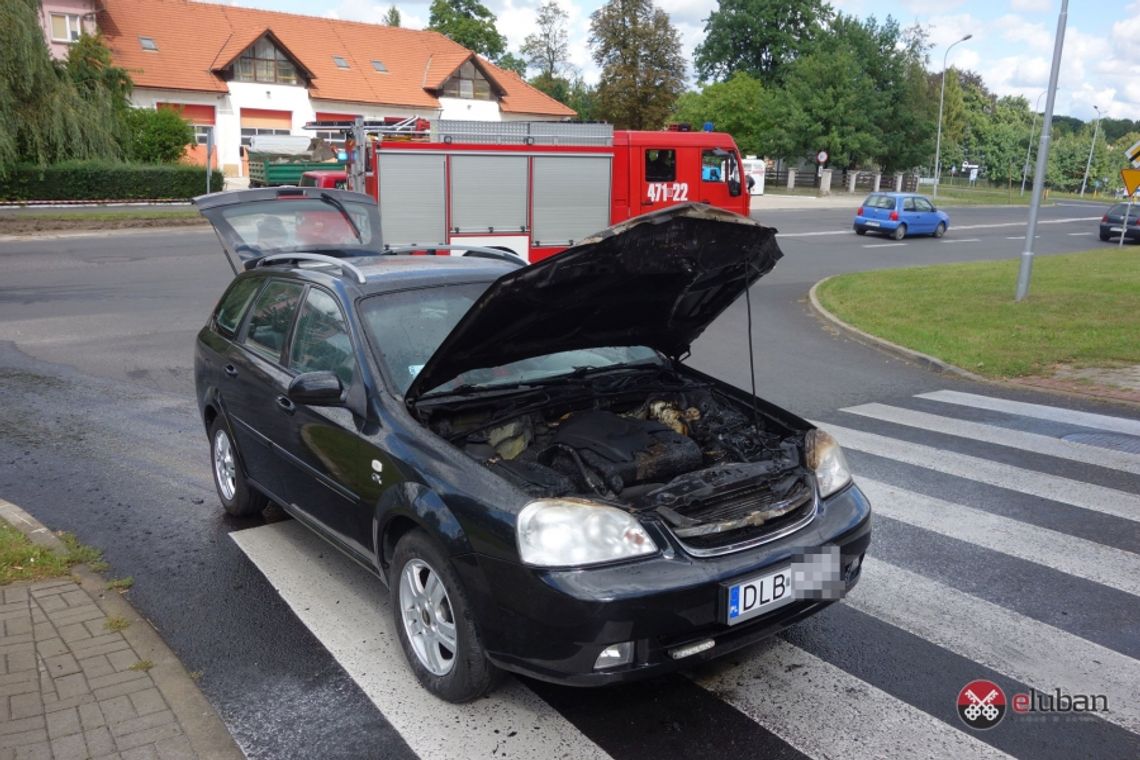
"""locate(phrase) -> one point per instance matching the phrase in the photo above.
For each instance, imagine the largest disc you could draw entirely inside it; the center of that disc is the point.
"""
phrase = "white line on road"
(346, 610)
(1035, 442)
(787, 690)
(882, 245)
(994, 226)
(1035, 237)
(960, 240)
(1075, 234)
(1074, 556)
(1040, 655)
(1108, 501)
(1038, 411)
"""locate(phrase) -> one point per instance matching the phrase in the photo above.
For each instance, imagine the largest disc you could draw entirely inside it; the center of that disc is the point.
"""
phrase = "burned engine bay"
(714, 470)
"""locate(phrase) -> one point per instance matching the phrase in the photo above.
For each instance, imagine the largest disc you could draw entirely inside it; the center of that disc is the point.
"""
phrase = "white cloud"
(1034, 6)
(1017, 30)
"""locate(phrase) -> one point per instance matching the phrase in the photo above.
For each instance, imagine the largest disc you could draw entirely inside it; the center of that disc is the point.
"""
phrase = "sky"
(1011, 48)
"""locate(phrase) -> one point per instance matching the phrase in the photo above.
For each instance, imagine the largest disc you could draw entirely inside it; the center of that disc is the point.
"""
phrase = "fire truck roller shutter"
(488, 194)
(412, 208)
(571, 198)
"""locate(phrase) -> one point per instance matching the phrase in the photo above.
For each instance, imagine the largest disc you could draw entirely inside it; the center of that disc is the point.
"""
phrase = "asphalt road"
(98, 435)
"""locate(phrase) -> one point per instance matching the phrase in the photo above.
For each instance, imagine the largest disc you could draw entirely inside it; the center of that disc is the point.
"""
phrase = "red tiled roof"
(195, 40)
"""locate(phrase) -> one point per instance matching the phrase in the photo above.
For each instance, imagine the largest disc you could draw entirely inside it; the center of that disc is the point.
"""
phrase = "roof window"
(379, 66)
(148, 43)
(340, 62)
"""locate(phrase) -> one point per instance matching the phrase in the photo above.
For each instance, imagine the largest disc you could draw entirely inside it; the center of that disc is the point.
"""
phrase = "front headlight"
(826, 459)
(567, 532)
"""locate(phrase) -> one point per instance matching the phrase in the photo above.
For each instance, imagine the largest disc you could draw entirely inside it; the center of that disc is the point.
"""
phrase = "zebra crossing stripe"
(1072, 555)
(1032, 652)
(789, 691)
(1037, 411)
(1016, 439)
(1088, 496)
(345, 608)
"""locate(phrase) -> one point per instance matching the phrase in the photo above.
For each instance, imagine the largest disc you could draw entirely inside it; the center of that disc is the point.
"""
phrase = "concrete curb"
(203, 727)
(67, 234)
(917, 357)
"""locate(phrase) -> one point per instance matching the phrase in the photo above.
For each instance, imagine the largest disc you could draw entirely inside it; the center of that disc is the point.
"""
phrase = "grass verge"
(1081, 311)
(21, 560)
(29, 222)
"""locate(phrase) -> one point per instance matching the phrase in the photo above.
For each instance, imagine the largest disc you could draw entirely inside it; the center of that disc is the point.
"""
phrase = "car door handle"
(230, 370)
(286, 405)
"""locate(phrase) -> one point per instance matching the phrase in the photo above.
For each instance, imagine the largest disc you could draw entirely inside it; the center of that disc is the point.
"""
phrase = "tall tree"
(470, 23)
(761, 37)
(43, 116)
(392, 17)
(512, 62)
(546, 50)
(740, 106)
(639, 53)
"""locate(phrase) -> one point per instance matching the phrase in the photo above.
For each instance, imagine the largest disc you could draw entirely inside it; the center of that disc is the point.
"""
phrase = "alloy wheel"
(426, 613)
(225, 469)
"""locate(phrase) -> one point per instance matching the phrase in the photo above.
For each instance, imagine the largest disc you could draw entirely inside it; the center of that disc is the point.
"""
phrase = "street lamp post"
(1096, 125)
(941, 98)
(1029, 147)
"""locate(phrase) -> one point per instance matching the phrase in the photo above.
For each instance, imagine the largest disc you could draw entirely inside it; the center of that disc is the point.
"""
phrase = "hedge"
(105, 180)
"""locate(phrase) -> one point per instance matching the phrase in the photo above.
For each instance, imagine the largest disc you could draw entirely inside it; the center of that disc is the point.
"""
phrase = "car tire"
(237, 496)
(899, 233)
(1104, 236)
(435, 623)
(860, 231)
(940, 230)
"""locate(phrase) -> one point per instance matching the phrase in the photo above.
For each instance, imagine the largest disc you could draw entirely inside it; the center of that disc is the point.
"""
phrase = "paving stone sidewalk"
(75, 684)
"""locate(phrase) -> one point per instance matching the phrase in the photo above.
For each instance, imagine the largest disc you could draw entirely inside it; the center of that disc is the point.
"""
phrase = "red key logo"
(981, 704)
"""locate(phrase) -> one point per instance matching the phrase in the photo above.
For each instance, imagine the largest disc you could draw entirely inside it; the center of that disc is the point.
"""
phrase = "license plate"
(1115, 229)
(759, 595)
(872, 224)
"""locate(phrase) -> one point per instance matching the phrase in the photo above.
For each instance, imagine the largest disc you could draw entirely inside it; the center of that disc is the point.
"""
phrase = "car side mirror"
(317, 389)
(734, 187)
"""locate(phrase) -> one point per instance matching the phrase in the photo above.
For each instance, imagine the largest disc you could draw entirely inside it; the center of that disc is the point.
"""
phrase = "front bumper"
(553, 624)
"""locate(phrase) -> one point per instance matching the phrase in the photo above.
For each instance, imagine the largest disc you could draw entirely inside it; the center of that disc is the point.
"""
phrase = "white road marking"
(1035, 237)
(883, 245)
(815, 234)
(956, 227)
(1037, 654)
(1038, 411)
(346, 609)
(1075, 234)
(787, 690)
(1108, 501)
(1074, 556)
(960, 240)
(1016, 439)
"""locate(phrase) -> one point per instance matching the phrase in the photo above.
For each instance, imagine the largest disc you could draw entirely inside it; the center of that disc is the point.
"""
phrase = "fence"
(807, 178)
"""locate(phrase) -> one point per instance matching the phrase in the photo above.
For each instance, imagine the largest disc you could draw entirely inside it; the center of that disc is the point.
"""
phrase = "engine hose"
(596, 484)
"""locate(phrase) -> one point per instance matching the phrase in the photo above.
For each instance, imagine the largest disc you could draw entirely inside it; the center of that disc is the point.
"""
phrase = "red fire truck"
(533, 188)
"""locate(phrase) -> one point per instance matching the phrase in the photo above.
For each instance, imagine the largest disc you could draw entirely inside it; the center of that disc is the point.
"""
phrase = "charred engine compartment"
(714, 472)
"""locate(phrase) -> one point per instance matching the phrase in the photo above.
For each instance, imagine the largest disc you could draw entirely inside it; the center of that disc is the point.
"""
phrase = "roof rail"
(330, 260)
(478, 251)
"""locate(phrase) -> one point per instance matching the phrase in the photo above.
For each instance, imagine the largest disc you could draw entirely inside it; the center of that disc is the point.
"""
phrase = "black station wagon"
(519, 453)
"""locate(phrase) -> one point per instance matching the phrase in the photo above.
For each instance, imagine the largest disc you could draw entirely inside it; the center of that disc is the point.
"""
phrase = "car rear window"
(880, 201)
(233, 303)
(272, 317)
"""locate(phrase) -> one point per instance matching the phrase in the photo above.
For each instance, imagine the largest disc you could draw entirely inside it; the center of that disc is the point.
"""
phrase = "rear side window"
(272, 315)
(880, 201)
(921, 204)
(660, 165)
(233, 304)
(908, 204)
(321, 342)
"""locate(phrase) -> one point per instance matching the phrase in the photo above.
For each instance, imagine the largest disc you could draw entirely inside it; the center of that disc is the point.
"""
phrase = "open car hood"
(657, 280)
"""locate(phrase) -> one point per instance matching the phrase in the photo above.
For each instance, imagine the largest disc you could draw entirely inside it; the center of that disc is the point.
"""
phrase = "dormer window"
(468, 82)
(264, 62)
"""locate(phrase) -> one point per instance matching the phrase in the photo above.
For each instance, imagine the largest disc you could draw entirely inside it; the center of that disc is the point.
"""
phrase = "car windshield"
(880, 201)
(405, 328)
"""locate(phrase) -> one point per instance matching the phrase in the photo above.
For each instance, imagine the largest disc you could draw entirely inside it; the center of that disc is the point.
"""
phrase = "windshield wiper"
(329, 199)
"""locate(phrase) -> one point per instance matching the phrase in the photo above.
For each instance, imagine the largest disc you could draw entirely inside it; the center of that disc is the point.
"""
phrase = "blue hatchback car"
(899, 215)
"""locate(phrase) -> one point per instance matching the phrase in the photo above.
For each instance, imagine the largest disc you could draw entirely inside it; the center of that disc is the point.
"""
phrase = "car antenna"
(751, 349)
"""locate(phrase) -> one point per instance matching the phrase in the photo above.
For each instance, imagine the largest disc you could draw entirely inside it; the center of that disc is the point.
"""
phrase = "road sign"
(821, 157)
(1131, 178)
(1133, 154)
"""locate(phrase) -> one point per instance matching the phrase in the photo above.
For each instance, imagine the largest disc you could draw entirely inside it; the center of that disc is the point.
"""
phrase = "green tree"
(104, 86)
(821, 108)
(643, 71)
(761, 37)
(44, 118)
(739, 106)
(159, 136)
(469, 23)
(392, 17)
(547, 49)
(583, 98)
(512, 62)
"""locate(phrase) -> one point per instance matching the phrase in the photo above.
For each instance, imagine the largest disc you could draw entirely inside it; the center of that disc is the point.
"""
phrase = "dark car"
(520, 453)
(899, 215)
(1112, 223)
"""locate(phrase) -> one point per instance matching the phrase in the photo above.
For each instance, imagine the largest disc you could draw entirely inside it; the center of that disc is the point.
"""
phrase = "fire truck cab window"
(713, 166)
(660, 165)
